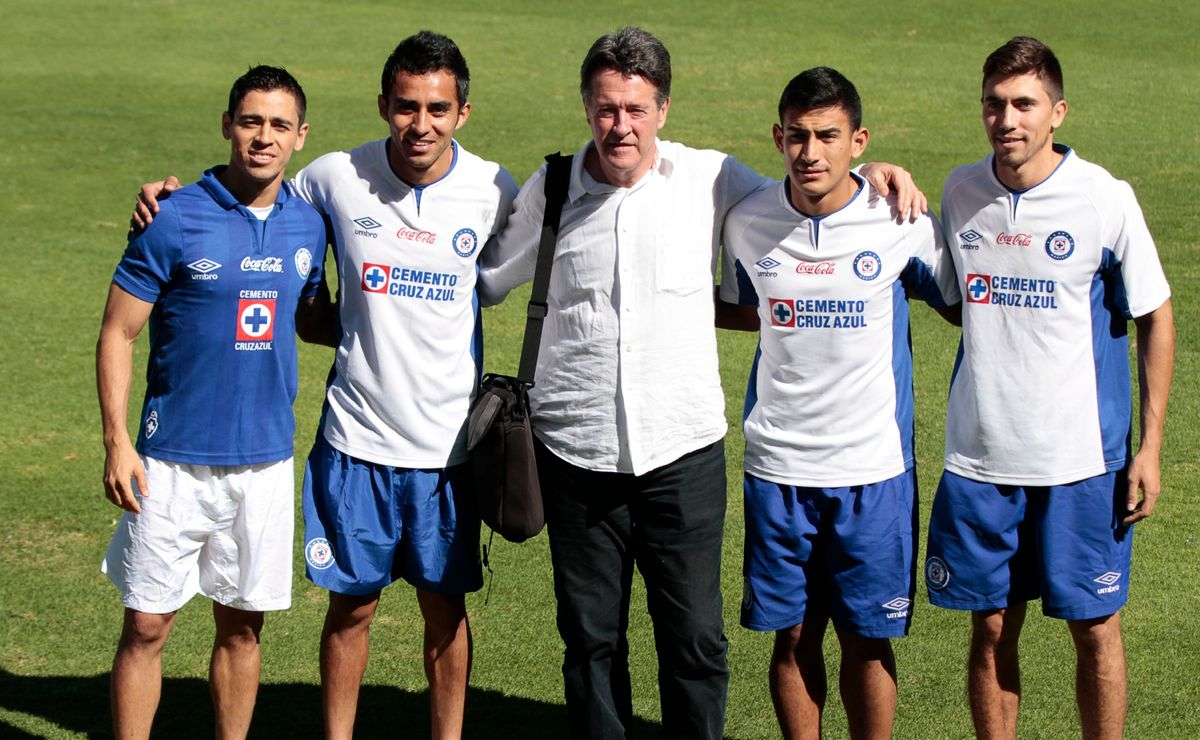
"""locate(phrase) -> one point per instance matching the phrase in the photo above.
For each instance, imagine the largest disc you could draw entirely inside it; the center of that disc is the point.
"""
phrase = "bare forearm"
(1156, 364)
(114, 371)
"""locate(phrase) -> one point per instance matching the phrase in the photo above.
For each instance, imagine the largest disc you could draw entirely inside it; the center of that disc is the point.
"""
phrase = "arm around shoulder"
(510, 255)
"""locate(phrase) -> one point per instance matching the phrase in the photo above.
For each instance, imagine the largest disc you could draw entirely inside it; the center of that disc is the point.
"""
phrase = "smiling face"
(1020, 117)
(625, 117)
(423, 113)
(818, 147)
(264, 130)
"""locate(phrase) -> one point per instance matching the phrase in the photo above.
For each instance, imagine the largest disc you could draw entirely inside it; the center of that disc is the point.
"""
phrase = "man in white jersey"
(386, 493)
(628, 407)
(818, 266)
(1040, 487)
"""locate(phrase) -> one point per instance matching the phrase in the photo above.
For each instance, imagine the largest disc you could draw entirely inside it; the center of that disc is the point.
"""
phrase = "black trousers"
(670, 523)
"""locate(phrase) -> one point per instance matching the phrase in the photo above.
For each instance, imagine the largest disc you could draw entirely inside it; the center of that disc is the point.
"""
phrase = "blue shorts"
(366, 525)
(992, 546)
(843, 553)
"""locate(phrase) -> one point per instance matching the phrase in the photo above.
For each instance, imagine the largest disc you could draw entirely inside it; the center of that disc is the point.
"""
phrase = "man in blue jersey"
(386, 495)
(222, 276)
(1040, 487)
(817, 265)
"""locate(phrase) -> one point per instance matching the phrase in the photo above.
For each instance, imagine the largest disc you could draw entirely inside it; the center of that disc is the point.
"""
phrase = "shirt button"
(629, 348)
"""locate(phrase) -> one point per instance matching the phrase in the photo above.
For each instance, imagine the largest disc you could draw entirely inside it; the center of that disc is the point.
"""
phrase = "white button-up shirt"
(626, 379)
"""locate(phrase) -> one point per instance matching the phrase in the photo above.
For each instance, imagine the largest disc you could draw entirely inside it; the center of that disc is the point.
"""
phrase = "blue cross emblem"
(782, 313)
(255, 320)
(375, 277)
(977, 288)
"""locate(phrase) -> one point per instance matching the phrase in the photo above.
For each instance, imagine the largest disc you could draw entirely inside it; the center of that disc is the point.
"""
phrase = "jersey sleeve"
(311, 184)
(951, 291)
(930, 273)
(317, 273)
(736, 287)
(734, 183)
(151, 257)
(1145, 285)
(510, 255)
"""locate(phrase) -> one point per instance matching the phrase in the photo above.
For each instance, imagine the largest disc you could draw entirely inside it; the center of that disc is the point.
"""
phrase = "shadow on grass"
(80, 704)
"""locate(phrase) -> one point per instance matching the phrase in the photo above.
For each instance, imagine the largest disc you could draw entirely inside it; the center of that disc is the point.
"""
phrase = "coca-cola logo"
(815, 268)
(412, 235)
(266, 264)
(1014, 240)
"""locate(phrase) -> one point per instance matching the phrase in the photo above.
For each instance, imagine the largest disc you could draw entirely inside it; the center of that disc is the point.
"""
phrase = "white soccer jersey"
(830, 399)
(411, 344)
(1049, 278)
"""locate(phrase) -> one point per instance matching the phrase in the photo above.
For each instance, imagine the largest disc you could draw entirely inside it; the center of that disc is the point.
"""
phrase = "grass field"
(100, 96)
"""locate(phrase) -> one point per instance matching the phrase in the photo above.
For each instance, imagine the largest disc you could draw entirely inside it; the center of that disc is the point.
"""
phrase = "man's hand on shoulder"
(910, 201)
(147, 201)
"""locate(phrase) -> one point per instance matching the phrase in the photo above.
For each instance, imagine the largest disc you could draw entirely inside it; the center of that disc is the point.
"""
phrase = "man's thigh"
(678, 522)
(982, 554)
(1085, 549)
(588, 524)
(221, 531)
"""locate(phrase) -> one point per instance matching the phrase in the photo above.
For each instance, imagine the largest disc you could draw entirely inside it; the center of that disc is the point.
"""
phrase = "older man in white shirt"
(628, 408)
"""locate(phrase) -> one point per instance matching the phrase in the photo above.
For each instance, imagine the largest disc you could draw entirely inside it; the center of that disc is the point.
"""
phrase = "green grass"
(99, 97)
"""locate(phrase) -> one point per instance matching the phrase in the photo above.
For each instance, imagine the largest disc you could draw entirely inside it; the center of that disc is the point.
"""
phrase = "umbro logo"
(204, 269)
(897, 607)
(204, 264)
(1109, 581)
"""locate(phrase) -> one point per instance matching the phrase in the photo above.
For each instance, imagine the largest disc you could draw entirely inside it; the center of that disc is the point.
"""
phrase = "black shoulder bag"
(499, 436)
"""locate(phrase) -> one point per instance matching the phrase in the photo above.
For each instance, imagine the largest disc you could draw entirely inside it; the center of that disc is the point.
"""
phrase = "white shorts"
(223, 531)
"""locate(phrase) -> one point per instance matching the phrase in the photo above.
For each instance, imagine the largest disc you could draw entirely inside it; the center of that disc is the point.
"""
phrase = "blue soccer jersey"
(221, 376)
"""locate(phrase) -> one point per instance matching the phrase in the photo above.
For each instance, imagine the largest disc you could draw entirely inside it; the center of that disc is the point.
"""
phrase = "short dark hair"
(1022, 55)
(425, 52)
(631, 52)
(822, 87)
(266, 78)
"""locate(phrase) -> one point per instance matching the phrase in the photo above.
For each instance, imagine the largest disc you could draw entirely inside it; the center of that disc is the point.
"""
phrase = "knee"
(442, 609)
(350, 613)
(1094, 636)
(996, 631)
(237, 629)
(859, 649)
(145, 632)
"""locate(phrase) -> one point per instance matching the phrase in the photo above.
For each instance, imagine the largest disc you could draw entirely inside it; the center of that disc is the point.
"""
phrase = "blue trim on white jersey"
(419, 190)
(816, 220)
(1110, 348)
(902, 369)
(477, 334)
(919, 281)
(1062, 149)
(747, 295)
(752, 384)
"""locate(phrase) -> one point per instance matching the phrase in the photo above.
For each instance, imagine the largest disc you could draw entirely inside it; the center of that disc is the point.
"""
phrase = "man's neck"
(249, 192)
(823, 205)
(1032, 173)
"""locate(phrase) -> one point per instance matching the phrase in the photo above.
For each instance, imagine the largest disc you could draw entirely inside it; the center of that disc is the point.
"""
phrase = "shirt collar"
(582, 183)
(224, 198)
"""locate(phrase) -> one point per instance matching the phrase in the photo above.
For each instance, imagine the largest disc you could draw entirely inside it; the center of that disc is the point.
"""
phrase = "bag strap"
(558, 176)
